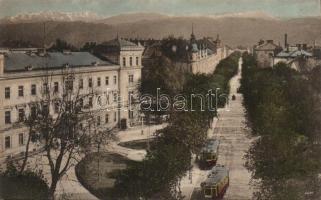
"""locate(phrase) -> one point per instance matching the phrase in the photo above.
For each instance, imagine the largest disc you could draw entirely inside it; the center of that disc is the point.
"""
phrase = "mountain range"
(234, 29)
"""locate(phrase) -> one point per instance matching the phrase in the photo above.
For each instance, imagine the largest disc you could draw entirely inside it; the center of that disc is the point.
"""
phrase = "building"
(114, 79)
(192, 56)
(203, 55)
(264, 52)
(297, 57)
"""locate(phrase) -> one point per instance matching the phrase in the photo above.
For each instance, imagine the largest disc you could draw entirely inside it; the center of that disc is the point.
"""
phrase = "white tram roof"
(211, 146)
(218, 173)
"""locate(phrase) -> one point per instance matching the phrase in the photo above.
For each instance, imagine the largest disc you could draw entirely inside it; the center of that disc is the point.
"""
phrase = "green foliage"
(26, 185)
(175, 48)
(61, 45)
(88, 46)
(281, 108)
(157, 172)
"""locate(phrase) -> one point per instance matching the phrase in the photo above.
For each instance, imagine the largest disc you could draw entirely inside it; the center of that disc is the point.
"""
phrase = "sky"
(105, 8)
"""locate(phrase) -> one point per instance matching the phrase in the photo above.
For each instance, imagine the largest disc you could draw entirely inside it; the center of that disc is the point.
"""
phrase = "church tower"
(193, 38)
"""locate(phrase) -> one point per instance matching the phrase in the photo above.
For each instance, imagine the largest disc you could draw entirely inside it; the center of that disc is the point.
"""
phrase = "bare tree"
(66, 131)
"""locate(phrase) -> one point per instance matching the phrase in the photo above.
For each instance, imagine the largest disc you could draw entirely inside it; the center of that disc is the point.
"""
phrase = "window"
(115, 80)
(45, 88)
(7, 92)
(106, 80)
(81, 83)
(115, 116)
(90, 82)
(137, 61)
(21, 139)
(45, 109)
(20, 91)
(33, 89)
(115, 97)
(130, 78)
(98, 82)
(208, 192)
(33, 111)
(106, 118)
(124, 61)
(90, 102)
(130, 114)
(7, 117)
(56, 87)
(130, 97)
(98, 120)
(131, 61)
(7, 142)
(69, 84)
(21, 114)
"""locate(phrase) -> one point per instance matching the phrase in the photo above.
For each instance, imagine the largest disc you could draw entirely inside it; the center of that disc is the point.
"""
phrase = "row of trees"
(160, 173)
(283, 110)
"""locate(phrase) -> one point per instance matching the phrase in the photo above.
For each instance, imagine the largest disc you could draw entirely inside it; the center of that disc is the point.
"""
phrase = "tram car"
(216, 184)
(209, 154)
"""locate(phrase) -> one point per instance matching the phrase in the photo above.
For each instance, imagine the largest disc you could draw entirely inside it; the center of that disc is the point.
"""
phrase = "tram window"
(214, 192)
(208, 192)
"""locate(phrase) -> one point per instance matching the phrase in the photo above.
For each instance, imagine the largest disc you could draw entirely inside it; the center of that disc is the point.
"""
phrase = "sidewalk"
(132, 134)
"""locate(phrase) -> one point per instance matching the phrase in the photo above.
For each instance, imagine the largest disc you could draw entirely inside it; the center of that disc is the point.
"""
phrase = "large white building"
(114, 79)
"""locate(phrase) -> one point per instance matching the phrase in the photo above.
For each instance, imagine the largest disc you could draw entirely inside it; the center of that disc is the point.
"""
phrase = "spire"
(193, 38)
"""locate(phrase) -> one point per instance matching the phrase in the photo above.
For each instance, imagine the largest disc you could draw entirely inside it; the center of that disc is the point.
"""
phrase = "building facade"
(264, 52)
(114, 82)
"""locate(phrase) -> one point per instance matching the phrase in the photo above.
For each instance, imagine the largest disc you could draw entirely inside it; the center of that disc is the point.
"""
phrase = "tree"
(66, 133)
(61, 45)
(282, 108)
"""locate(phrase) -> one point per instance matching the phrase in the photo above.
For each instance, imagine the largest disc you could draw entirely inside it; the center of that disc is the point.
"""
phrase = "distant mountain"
(132, 18)
(234, 29)
(51, 16)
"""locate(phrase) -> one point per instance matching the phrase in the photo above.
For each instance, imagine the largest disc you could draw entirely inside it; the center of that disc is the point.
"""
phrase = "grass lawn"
(98, 171)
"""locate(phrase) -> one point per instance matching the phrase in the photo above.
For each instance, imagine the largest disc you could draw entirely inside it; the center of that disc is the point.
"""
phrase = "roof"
(217, 173)
(294, 54)
(211, 146)
(119, 42)
(16, 61)
(267, 46)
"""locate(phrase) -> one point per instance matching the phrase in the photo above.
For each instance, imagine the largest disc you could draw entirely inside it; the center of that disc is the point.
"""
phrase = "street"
(234, 138)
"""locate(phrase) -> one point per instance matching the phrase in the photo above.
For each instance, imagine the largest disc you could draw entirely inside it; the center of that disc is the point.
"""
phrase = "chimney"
(286, 40)
(1, 64)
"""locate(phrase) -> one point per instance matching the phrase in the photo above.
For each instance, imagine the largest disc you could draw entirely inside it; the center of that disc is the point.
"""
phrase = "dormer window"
(29, 67)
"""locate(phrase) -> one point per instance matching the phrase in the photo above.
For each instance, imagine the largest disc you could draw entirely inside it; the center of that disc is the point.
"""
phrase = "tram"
(209, 154)
(216, 184)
